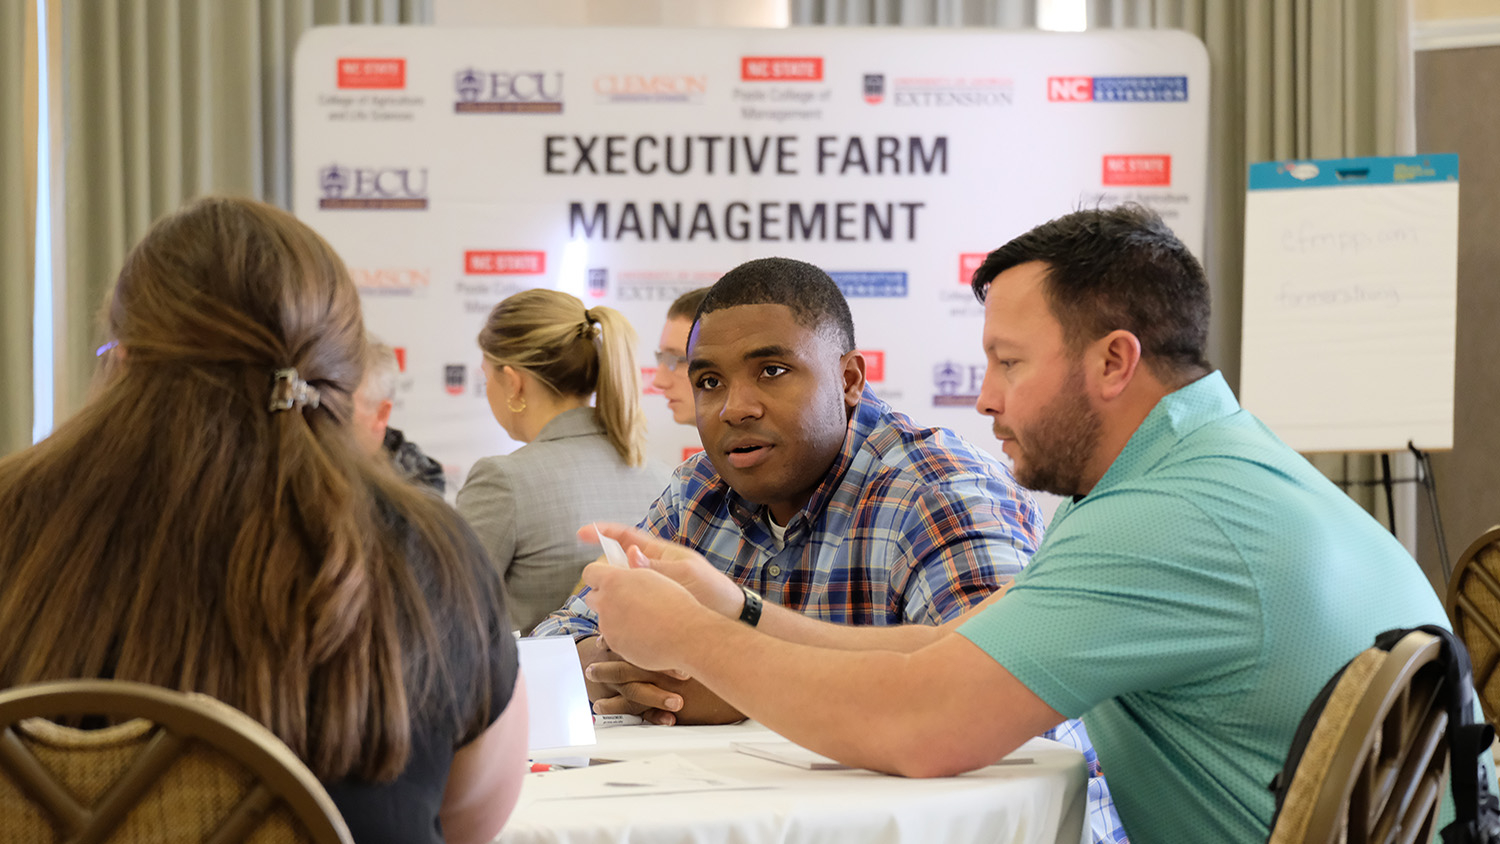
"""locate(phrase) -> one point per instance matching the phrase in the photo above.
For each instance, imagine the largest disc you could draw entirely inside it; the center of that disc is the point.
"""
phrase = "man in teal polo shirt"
(1188, 601)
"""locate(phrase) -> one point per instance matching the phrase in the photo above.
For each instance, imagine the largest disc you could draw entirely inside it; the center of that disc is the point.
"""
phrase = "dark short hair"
(1117, 268)
(814, 298)
(686, 305)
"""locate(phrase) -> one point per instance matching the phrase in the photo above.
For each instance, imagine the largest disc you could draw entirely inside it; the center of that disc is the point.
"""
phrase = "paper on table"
(555, 695)
(666, 774)
(613, 552)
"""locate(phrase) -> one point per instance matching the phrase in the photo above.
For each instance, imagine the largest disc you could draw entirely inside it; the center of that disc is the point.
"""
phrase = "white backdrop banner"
(454, 167)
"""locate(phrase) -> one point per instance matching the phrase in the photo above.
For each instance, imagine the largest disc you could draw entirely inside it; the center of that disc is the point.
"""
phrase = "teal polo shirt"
(1191, 606)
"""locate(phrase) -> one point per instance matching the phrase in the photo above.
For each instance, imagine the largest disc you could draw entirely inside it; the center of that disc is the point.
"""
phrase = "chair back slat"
(162, 749)
(244, 817)
(1473, 605)
(1376, 758)
(33, 779)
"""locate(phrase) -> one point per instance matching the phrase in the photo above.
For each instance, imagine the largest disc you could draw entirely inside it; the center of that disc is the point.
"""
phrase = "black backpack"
(1476, 809)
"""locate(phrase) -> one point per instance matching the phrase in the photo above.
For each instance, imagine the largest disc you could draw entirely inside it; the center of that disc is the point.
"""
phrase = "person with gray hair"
(373, 402)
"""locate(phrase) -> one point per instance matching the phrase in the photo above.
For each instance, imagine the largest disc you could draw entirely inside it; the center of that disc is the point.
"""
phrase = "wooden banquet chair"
(182, 768)
(1375, 762)
(1473, 605)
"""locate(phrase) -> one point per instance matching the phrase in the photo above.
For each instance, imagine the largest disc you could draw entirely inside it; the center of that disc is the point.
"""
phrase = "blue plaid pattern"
(911, 526)
(1103, 821)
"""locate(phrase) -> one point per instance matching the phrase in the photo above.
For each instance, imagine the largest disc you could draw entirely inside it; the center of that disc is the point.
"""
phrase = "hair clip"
(289, 391)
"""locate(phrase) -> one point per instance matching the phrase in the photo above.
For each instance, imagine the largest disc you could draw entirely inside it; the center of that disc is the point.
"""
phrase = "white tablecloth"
(1041, 802)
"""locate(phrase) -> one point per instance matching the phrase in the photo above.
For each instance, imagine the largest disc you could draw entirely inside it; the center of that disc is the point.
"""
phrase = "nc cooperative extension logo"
(874, 365)
(508, 92)
(373, 188)
(870, 284)
(1117, 89)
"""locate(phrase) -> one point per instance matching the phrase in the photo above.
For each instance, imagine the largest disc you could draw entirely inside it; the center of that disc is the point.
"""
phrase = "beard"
(1053, 455)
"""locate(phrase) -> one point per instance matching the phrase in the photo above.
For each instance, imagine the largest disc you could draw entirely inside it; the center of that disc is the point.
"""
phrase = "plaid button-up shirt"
(910, 526)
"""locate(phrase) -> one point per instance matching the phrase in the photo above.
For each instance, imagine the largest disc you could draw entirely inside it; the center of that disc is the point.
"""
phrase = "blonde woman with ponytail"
(207, 523)
(562, 379)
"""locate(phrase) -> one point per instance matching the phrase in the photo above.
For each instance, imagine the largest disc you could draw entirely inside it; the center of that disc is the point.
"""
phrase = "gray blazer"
(527, 506)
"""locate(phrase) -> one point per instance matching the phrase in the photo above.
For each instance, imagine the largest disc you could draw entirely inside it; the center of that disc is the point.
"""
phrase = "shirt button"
(774, 571)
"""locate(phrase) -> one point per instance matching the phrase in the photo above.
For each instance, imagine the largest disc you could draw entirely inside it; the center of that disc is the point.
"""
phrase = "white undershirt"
(778, 532)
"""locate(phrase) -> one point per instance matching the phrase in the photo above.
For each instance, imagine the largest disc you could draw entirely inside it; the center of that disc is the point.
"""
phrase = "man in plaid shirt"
(814, 493)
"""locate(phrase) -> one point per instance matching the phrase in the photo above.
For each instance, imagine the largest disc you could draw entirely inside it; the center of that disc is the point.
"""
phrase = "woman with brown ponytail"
(546, 357)
(207, 523)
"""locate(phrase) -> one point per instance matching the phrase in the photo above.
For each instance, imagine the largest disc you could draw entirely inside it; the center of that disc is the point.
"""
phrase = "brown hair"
(1117, 268)
(573, 351)
(176, 532)
(686, 305)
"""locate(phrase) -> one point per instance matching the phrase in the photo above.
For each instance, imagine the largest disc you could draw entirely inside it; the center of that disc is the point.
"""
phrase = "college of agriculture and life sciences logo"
(870, 284)
(369, 74)
(455, 378)
(1117, 89)
(874, 88)
(508, 91)
(400, 352)
(968, 262)
(1139, 170)
(631, 88)
(781, 69)
(598, 281)
(690, 450)
(874, 365)
(957, 384)
(504, 262)
(373, 188)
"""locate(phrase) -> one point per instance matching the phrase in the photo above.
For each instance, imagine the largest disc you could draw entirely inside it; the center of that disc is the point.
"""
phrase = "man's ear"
(853, 371)
(1117, 358)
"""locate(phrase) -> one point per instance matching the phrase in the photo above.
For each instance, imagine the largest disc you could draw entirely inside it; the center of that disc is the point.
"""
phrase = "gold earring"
(511, 403)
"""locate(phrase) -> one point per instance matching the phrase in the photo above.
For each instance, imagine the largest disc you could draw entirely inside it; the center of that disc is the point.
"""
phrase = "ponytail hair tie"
(289, 391)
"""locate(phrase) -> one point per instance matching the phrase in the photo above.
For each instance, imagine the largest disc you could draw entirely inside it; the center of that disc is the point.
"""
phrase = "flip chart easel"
(1351, 275)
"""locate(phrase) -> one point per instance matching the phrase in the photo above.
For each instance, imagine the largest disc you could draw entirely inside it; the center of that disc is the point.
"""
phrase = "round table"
(1036, 796)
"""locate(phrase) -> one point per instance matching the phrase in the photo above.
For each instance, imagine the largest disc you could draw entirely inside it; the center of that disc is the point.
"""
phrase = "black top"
(405, 811)
(412, 462)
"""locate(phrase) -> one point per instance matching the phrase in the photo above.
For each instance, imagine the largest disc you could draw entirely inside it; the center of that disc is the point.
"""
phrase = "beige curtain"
(18, 110)
(165, 100)
(1288, 79)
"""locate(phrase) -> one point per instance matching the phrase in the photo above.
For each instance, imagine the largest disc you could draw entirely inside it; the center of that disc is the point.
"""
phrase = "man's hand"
(695, 703)
(711, 587)
(623, 688)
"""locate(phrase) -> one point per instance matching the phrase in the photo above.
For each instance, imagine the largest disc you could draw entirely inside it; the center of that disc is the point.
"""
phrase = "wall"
(1450, 119)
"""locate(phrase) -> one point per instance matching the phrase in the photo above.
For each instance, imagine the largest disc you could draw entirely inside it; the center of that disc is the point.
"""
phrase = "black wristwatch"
(750, 613)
